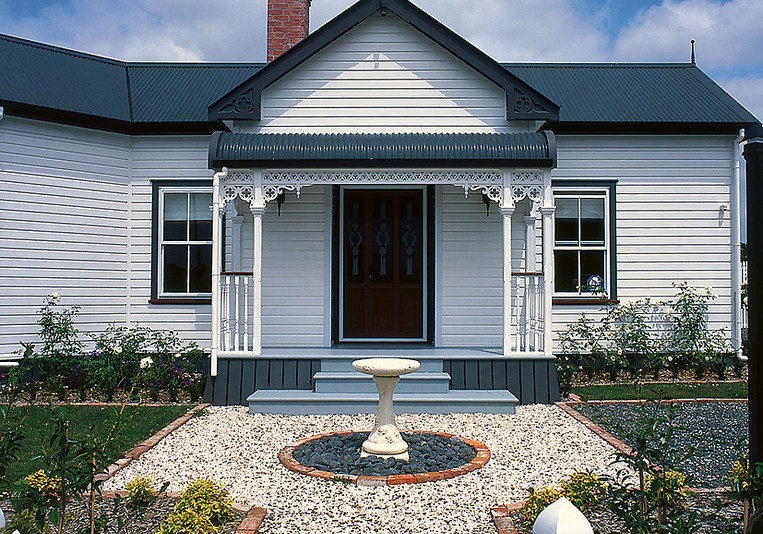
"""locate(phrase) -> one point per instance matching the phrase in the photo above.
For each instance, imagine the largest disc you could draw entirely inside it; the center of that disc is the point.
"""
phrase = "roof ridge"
(62, 50)
(599, 64)
(200, 64)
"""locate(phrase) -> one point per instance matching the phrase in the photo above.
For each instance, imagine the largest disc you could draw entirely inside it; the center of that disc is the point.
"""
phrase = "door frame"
(337, 257)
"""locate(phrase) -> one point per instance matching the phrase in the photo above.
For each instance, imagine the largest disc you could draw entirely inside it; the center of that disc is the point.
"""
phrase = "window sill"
(206, 301)
(591, 301)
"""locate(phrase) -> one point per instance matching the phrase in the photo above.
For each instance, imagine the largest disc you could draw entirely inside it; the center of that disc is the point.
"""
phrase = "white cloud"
(727, 33)
(509, 30)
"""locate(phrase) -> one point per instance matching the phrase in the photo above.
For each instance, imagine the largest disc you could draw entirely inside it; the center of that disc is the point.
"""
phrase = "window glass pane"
(175, 268)
(566, 227)
(592, 267)
(200, 227)
(201, 268)
(175, 215)
(566, 271)
(592, 221)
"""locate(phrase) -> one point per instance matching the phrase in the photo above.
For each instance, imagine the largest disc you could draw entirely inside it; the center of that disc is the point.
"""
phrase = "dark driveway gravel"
(713, 428)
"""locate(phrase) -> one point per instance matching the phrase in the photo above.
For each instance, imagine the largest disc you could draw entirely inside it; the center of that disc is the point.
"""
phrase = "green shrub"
(140, 491)
(584, 490)
(202, 507)
(537, 501)
(187, 522)
(665, 488)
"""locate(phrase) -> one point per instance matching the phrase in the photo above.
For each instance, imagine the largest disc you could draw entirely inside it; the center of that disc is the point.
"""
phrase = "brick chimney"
(288, 24)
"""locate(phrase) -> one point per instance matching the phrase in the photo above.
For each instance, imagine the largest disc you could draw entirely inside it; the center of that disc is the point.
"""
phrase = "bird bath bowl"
(385, 440)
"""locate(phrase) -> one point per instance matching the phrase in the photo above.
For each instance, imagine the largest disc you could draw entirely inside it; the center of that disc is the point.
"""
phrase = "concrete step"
(344, 363)
(299, 402)
(355, 382)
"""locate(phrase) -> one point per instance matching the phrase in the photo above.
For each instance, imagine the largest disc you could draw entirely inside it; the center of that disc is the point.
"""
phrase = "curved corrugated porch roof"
(462, 150)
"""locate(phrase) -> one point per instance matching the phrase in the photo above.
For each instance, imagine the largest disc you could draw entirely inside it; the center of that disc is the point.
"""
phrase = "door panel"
(383, 264)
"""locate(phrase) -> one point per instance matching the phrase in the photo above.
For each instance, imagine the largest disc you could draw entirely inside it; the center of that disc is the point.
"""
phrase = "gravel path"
(534, 447)
(712, 428)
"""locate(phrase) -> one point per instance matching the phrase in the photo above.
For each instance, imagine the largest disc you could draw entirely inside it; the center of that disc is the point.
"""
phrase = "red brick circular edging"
(286, 458)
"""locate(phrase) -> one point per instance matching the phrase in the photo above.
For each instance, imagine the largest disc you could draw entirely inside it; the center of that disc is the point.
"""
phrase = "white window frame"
(161, 242)
(580, 192)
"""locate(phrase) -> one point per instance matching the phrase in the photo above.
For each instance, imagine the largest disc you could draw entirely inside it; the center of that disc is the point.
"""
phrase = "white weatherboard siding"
(294, 267)
(669, 225)
(382, 76)
(163, 158)
(63, 225)
(471, 263)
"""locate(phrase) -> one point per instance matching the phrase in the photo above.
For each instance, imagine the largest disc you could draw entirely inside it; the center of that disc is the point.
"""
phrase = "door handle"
(370, 273)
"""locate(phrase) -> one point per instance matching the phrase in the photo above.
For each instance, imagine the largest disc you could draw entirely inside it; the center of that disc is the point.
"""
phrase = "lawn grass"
(138, 424)
(667, 390)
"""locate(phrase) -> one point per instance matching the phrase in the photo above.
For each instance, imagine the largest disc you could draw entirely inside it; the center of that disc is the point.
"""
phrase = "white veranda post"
(507, 210)
(547, 211)
(257, 206)
(217, 214)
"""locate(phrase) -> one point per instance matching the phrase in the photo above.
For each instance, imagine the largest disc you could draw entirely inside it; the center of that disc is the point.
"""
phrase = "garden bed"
(147, 523)
(604, 522)
(717, 431)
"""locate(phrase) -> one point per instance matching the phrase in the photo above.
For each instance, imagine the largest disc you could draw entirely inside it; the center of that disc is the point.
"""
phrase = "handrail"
(236, 273)
(527, 273)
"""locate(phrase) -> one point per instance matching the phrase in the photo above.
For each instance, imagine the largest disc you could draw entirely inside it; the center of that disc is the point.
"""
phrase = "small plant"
(537, 500)
(747, 486)
(584, 490)
(140, 492)
(202, 507)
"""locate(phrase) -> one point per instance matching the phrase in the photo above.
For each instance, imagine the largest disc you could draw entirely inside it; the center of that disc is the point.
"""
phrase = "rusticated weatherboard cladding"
(294, 263)
(163, 158)
(471, 265)
(669, 224)
(382, 76)
(63, 225)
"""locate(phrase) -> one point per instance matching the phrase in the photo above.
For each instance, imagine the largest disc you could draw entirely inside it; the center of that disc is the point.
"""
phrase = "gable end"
(522, 101)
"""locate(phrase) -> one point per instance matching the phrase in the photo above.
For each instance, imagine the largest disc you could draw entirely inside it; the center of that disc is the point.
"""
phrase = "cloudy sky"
(728, 33)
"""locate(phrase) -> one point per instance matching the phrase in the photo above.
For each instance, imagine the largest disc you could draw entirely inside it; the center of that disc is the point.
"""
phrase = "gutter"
(736, 247)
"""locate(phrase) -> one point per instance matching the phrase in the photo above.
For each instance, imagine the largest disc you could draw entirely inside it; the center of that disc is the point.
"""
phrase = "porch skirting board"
(529, 380)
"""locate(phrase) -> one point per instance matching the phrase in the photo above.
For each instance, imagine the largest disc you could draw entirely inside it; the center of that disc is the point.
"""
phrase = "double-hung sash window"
(185, 242)
(582, 242)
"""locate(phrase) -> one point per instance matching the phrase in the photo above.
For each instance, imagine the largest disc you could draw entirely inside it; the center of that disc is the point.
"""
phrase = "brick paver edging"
(593, 427)
(502, 517)
(286, 458)
(149, 443)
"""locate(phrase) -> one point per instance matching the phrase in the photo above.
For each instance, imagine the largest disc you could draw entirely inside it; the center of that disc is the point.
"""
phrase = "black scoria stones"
(341, 455)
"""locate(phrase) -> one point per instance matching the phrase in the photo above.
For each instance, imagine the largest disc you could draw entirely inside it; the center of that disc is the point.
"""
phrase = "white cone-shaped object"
(562, 517)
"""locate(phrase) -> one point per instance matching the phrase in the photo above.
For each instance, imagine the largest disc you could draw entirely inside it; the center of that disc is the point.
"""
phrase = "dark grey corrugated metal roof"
(55, 80)
(633, 92)
(180, 92)
(40, 75)
(232, 149)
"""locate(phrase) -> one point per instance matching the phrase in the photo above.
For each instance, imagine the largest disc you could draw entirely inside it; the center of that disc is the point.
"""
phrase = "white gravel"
(534, 447)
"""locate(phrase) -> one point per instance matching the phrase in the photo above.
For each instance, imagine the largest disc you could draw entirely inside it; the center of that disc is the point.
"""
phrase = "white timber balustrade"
(236, 311)
(529, 307)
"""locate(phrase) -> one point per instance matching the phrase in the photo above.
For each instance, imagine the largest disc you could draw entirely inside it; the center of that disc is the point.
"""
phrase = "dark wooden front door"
(383, 264)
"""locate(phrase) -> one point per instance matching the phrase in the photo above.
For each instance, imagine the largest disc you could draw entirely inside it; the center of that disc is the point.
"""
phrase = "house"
(380, 188)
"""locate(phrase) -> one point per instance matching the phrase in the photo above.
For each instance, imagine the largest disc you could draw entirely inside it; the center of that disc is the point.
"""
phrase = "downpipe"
(736, 247)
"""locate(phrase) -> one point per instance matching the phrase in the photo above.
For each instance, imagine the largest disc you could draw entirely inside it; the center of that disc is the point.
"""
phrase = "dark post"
(753, 155)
